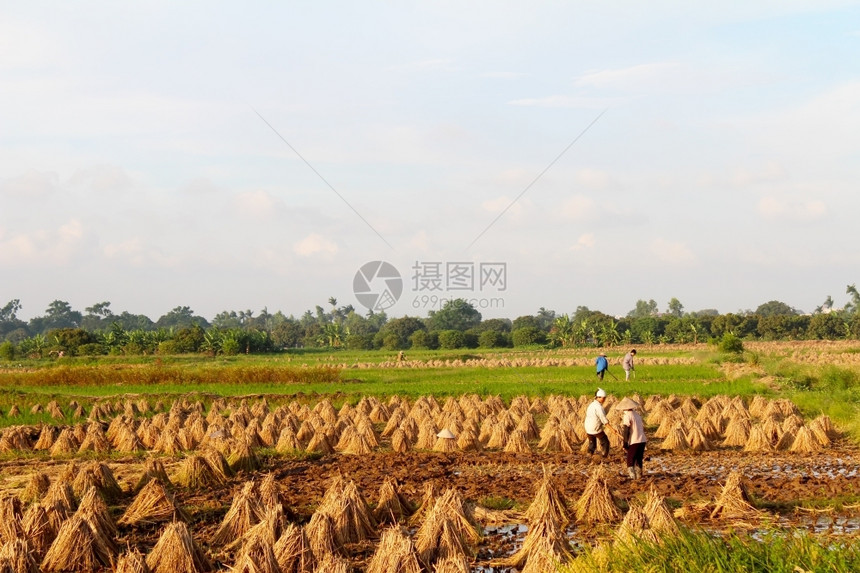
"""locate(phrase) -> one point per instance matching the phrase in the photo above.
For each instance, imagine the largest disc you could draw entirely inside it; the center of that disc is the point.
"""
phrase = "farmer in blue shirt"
(602, 365)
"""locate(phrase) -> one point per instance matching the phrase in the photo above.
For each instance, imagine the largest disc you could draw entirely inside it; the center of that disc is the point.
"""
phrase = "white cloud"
(671, 252)
(631, 78)
(789, 209)
(499, 204)
(33, 184)
(584, 242)
(593, 178)
(137, 254)
(102, 178)
(566, 101)
(578, 208)
(502, 75)
(428, 64)
(255, 204)
(315, 244)
(42, 247)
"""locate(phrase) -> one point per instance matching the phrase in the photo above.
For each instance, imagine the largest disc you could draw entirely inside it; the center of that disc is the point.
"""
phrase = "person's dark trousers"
(601, 373)
(635, 454)
(604, 443)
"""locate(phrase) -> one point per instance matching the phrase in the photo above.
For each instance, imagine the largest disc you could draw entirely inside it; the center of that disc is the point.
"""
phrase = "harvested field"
(333, 497)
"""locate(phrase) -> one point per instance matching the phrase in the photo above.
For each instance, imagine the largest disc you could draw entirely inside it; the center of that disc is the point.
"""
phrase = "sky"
(229, 156)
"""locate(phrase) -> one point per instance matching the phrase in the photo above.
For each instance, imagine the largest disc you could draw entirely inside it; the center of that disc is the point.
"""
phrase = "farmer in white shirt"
(595, 420)
(634, 436)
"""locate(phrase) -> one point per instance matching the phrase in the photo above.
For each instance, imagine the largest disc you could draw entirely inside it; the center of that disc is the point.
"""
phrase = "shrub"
(7, 351)
(425, 340)
(492, 339)
(449, 339)
(391, 341)
(91, 349)
(230, 347)
(359, 342)
(528, 335)
(731, 344)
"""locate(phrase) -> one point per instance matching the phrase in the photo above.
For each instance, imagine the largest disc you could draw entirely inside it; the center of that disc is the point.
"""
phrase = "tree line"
(63, 331)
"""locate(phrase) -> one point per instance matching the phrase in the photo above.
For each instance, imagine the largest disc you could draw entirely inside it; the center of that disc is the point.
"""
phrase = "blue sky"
(134, 167)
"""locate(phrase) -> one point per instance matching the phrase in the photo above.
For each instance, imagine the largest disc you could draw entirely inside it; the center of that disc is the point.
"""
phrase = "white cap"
(601, 393)
(446, 434)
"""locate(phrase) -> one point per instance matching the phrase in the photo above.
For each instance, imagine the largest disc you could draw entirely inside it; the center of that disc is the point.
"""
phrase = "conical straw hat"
(627, 404)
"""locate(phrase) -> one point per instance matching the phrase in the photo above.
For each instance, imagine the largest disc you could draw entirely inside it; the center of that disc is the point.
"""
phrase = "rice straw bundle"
(257, 556)
(131, 562)
(94, 511)
(792, 423)
(734, 501)
(319, 444)
(549, 502)
(658, 412)
(37, 487)
(409, 427)
(321, 536)
(153, 504)
(772, 428)
(659, 517)
(77, 548)
(37, 530)
(452, 564)
(555, 440)
(100, 476)
(596, 504)
(517, 443)
(468, 441)
(16, 556)
(758, 441)
(287, 441)
(65, 444)
(333, 564)
(697, 440)
(786, 440)
(826, 424)
(634, 528)
(399, 442)
(669, 423)
(528, 426)
(245, 512)
(542, 534)
(737, 432)
(126, 441)
(95, 440)
(168, 442)
(392, 506)
(805, 442)
(758, 405)
(394, 554)
(219, 465)
(394, 421)
(270, 493)
(242, 458)
(14, 411)
(709, 430)
(147, 433)
(197, 473)
(36, 409)
(176, 551)
(428, 501)
(153, 469)
(437, 539)
(499, 437)
(543, 558)
(59, 502)
(676, 439)
(293, 551)
(453, 508)
(47, 436)
(445, 445)
(10, 518)
(426, 435)
(818, 427)
(352, 519)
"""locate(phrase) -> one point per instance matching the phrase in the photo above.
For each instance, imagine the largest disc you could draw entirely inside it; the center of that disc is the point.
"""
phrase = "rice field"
(97, 479)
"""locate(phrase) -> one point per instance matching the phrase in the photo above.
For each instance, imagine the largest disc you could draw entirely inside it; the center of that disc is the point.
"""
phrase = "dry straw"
(16, 557)
(37, 487)
(37, 530)
(805, 442)
(132, 562)
(77, 548)
(196, 472)
(549, 502)
(596, 505)
(320, 535)
(10, 518)
(659, 516)
(153, 469)
(634, 528)
(392, 507)
(734, 501)
(517, 443)
(394, 554)
(333, 564)
(542, 535)
(176, 551)
(293, 551)
(244, 513)
(152, 504)
(758, 441)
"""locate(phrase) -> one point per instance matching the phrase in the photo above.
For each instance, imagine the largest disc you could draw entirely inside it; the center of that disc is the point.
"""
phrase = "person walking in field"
(595, 420)
(602, 365)
(627, 364)
(633, 430)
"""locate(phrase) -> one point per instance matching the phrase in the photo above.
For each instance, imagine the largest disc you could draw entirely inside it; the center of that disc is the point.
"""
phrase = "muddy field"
(779, 482)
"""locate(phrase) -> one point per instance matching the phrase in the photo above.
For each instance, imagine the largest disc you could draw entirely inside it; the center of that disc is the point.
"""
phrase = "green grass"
(777, 551)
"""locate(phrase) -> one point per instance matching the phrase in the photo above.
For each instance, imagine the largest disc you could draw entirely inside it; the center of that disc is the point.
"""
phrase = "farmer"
(595, 419)
(602, 365)
(634, 436)
(627, 364)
